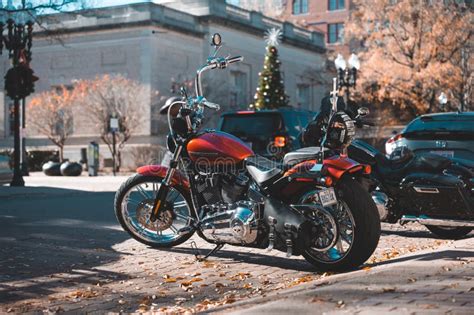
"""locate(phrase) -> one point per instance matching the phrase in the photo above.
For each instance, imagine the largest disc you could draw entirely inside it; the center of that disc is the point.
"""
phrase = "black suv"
(270, 133)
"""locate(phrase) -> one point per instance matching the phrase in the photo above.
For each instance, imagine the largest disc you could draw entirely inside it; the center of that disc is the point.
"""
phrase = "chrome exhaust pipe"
(438, 222)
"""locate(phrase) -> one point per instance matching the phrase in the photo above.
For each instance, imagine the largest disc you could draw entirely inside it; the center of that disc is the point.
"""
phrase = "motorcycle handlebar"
(361, 122)
(235, 59)
(211, 105)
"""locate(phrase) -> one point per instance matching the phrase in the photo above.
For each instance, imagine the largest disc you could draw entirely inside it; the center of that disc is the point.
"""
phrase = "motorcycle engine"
(222, 187)
(235, 223)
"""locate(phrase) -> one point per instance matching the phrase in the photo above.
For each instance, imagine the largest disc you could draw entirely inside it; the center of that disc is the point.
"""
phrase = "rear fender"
(178, 179)
(338, 166)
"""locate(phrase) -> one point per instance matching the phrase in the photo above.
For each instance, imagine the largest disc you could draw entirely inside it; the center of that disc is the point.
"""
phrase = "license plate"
(448, 154)
(328, 197)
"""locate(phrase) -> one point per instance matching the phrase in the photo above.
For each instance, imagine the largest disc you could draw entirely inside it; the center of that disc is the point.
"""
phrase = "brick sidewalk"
(428, 282)
(131, 277)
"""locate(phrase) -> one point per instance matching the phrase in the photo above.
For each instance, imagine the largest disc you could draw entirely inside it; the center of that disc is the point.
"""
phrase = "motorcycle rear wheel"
(365, 226)
(133, 213)
(449, 232)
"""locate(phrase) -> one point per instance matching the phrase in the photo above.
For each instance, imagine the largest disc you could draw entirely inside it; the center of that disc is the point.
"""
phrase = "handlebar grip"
(235, 59)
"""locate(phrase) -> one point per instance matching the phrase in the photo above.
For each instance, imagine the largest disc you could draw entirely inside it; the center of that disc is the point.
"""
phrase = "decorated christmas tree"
(271, 90)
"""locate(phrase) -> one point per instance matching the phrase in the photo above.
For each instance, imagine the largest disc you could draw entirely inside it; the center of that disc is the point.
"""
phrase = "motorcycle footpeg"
(271, 235)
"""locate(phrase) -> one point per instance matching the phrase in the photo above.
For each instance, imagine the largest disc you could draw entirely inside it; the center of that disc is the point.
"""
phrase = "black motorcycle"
(432, 190)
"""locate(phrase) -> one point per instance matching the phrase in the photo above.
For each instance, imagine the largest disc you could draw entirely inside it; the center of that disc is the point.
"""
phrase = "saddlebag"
(438, 195)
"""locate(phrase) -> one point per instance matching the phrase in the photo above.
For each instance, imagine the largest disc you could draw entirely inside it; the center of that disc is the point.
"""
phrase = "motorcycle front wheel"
(133, 203)
(358, 228)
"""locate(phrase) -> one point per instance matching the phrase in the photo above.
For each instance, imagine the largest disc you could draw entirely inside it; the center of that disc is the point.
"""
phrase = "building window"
(303, 95)
(335, 5)
(335, 33)
(239, 89)
(300, 6)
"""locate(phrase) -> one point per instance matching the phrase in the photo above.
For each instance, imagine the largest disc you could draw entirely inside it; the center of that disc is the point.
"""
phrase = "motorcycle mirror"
(363, 111)
(216, 40)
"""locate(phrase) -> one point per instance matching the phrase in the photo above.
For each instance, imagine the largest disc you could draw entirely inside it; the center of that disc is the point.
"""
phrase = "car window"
(296, 122)
(261, 124)
(448, 124)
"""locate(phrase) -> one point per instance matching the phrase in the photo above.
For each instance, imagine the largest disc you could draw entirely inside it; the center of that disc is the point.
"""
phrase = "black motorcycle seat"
(417, 163)
(262, 169)
(303, 154)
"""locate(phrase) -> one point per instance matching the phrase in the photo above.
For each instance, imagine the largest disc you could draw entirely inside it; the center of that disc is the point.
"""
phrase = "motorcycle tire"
(449, 232)
(366, 228)
(132, 182)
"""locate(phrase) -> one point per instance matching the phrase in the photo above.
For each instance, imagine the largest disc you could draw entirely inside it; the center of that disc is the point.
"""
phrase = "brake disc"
(143, 213)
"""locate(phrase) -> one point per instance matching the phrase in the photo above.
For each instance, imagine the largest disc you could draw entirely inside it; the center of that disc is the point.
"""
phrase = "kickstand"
(198, 255)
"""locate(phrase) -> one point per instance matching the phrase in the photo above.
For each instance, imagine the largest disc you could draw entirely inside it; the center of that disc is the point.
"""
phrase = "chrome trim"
(381, 200)
(426, 190)
(437, 222)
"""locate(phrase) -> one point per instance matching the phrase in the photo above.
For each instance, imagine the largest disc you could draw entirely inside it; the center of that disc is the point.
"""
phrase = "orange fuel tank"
(218, 147)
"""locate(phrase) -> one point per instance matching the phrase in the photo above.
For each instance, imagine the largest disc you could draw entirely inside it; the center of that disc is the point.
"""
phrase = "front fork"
(162, 194)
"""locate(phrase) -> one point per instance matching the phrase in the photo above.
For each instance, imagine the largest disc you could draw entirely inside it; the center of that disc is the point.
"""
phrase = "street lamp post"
(347, 76)
(114, 127)
(18, 24)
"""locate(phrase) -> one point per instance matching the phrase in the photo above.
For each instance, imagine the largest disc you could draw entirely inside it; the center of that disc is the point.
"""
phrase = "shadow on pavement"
(269, 260)
(448, 255)
(53, 238)
(418, 234)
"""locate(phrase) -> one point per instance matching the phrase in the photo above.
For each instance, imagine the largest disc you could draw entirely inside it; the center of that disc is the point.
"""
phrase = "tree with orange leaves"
(411, 51)
(51, 113)
(107, 96)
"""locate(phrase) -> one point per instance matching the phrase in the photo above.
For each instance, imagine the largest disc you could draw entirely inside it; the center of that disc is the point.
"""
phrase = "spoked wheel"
(134, 203)
(356, 230)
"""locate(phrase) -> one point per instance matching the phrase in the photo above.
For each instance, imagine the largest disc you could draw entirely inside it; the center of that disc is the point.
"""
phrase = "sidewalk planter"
(52, 168)
(71, 169)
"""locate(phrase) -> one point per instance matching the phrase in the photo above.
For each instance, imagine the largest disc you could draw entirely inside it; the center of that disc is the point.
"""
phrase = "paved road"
(427, 282)
(61, 249)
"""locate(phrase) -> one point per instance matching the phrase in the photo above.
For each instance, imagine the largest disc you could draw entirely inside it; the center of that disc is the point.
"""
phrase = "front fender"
(160, 171)
(337, 166)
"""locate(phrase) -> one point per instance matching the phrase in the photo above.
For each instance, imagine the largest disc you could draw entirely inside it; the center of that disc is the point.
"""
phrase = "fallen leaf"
(428, 306)
(247, 286)
(171, 280)
(386, 290)
(317, 300)
(195, 280)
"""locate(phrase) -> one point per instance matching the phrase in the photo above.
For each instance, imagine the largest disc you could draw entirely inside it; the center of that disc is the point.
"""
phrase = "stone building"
(327, 17)
(158, 44)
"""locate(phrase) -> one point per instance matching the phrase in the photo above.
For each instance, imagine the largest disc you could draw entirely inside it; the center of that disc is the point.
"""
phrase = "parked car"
(447, 134)
(6, 173)
(270, 133)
